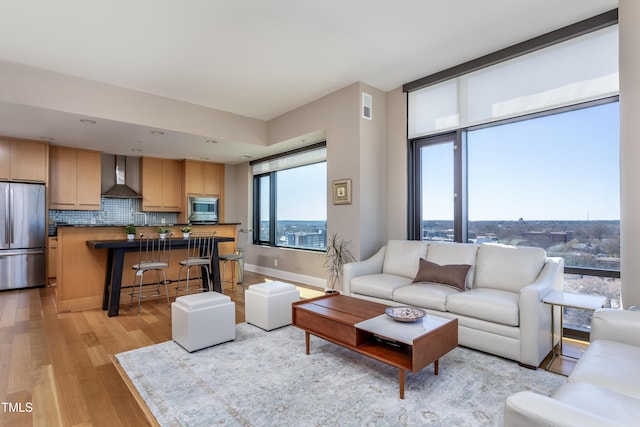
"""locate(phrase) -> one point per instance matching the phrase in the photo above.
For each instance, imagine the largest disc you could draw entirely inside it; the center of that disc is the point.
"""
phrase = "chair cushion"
(445, 253)
(402, 257)
(610, 364)
(378, 285)
(425, 295)
(597, 400)
(202, 300)
(509, 268)
(150, 265)
(492, 305)
(195, 261)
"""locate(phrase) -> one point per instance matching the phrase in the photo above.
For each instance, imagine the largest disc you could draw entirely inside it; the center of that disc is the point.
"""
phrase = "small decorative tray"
(405, 314)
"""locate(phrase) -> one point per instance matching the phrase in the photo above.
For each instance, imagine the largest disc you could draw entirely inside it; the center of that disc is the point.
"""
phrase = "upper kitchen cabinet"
(75, 179)
(22, 160)
(203, 178)
(161, 184)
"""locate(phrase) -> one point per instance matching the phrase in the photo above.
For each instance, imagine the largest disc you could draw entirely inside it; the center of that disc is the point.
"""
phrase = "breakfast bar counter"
(115, 264)
(82, 268)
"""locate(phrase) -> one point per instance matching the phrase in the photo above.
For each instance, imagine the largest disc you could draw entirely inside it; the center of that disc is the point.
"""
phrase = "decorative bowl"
(405, 313)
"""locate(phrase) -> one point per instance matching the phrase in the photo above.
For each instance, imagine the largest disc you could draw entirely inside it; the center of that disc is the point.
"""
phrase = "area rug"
(265, 378)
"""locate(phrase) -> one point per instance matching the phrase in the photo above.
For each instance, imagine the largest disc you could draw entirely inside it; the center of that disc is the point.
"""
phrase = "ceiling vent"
(121, 190)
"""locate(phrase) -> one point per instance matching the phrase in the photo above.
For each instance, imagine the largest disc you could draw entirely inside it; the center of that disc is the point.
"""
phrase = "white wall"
(372, 191)
(21, 84)
(629, 24)
(356, 149)
(396, 157)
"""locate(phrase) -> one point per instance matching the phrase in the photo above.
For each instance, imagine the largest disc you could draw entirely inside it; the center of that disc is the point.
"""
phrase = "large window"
(525, 151)
(550, 181)
(290, 200)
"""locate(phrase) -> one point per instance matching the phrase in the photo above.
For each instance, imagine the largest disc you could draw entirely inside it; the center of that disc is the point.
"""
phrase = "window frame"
(273, 185)
(460, 219)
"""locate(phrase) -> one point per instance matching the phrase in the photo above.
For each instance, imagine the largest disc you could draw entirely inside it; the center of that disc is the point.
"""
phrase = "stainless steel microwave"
(203, 209)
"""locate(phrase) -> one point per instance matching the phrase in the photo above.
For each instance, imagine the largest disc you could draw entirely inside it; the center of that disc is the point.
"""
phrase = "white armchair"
(602, 390)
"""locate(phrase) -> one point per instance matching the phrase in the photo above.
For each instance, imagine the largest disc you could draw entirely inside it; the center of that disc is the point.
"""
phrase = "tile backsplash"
(112, 212)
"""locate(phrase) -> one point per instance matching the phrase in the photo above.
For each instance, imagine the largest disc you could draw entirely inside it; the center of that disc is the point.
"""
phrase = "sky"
(302, 193)
(560, 167)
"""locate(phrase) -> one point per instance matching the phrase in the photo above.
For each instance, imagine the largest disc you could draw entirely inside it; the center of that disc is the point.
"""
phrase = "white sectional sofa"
(603, 388)
(497, 300)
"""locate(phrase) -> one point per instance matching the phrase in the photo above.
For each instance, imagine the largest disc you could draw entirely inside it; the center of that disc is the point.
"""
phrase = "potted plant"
(163, 231)
(338, 254)
(185, 232)
(130, 231)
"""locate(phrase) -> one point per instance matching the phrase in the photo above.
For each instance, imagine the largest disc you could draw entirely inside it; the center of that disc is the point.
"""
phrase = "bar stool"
(199, 254)
(153, 256)
(237, 256)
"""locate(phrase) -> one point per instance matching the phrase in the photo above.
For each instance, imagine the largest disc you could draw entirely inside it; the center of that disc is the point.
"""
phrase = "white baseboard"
(287, 275)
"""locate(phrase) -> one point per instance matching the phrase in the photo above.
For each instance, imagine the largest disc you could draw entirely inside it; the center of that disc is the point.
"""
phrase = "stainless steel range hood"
(121, 190)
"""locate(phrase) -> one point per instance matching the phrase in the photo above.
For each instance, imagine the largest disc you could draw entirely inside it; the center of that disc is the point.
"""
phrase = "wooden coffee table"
(362, 326)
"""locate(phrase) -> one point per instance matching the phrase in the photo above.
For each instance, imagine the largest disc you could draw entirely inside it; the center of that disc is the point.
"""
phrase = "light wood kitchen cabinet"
(52, 249)
(23, 160)
(203, 178)
(75, 179)
(161, 184)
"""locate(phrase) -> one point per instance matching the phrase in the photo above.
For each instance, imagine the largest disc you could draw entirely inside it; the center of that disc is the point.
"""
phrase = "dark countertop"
(122, 225)
(176, 243)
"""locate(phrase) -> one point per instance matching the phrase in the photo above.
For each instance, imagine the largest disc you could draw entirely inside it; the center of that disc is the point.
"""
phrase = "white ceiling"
(256, 58)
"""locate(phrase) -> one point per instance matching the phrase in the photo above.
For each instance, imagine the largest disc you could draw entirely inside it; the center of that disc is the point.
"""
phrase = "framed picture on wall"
(342, 192)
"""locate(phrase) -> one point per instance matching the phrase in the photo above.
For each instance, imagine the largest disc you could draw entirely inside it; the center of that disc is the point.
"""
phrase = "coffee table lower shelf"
(343, 320)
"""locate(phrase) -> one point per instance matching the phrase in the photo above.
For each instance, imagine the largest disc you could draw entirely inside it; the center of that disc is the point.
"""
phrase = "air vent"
(367, 106)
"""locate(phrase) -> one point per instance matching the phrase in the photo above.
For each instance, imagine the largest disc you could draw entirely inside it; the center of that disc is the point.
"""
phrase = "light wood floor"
(58, 370)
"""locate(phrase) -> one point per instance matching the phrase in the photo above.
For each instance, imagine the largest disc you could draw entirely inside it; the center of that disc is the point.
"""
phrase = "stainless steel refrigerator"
(22, 235)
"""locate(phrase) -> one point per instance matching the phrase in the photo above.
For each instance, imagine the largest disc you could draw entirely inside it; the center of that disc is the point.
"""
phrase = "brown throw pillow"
(451, 275)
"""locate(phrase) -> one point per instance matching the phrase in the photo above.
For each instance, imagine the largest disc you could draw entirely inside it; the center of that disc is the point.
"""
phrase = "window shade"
(288, 161)
(581, 69)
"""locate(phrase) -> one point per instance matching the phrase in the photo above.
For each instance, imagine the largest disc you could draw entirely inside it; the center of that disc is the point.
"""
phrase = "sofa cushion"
(509, 268)
(610, 364)
(453, 275)
(597, 400)
(444, 253)
(492, 305)
(426, 295)
(402, 257)
(378, 285)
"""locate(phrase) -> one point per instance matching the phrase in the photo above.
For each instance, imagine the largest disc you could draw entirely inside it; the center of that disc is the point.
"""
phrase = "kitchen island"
(81, 269)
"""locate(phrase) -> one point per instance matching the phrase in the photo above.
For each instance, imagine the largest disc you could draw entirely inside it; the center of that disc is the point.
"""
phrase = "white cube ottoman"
(268, 305)
(202, 320)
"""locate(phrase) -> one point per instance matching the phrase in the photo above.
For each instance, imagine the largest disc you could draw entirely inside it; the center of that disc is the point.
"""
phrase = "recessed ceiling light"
(204, 158)
(88, 122)
(245, 157)
(212, 141)
(47, 138)
(157, 132)
(137, 149)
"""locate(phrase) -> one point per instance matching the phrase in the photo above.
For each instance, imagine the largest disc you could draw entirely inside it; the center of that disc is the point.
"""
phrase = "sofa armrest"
(525, 409)
(616, 325)
(371, 265)
(535, 316)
